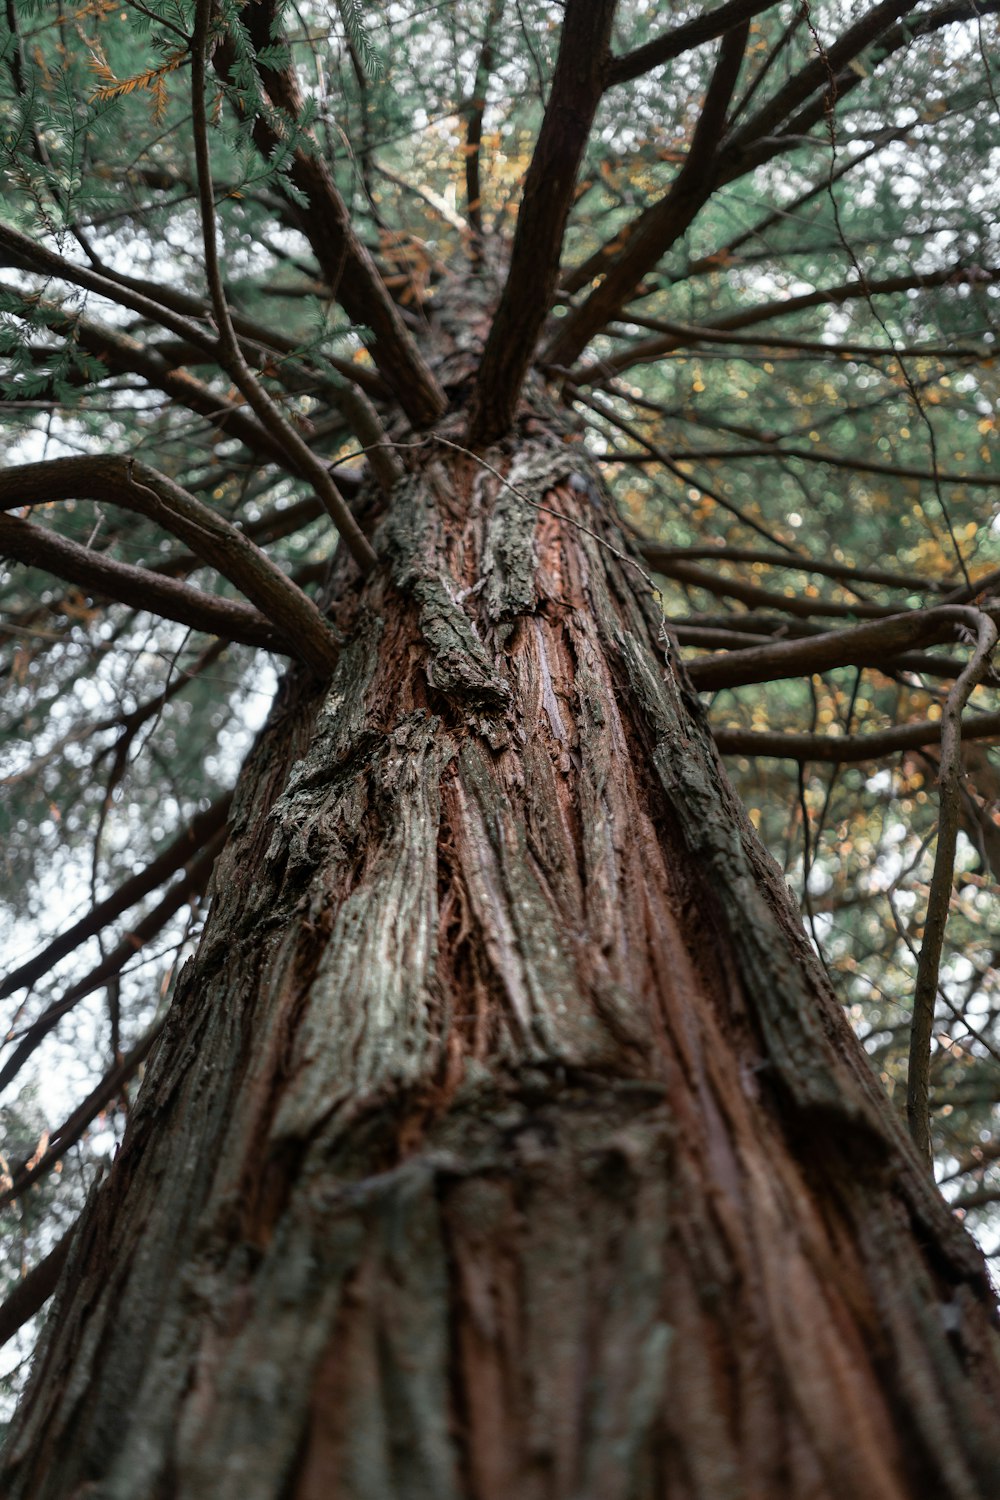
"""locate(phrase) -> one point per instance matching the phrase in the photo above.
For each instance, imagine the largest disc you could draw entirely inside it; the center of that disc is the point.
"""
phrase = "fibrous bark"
(504, 1137)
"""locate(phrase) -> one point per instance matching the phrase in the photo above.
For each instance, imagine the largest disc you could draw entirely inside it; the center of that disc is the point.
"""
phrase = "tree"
(504, 1133)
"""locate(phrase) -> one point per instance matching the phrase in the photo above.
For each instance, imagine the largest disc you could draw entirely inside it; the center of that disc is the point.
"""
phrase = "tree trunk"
(504, 1138)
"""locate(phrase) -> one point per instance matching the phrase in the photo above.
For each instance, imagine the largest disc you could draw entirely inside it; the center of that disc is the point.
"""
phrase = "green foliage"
(352, 13)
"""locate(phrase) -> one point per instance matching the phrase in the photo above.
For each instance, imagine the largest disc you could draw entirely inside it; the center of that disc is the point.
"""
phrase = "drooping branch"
(180, 851)
(939, 896)
(843, 748)
(577, 86)
(139, 488)
(104, 577)
(664, 222)
(871, 644)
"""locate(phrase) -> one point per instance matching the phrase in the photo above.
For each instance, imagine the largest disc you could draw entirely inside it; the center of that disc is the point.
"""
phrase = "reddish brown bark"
(504, 1138)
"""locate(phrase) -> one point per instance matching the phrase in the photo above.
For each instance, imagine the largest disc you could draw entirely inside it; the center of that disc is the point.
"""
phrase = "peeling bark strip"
(503, 1138)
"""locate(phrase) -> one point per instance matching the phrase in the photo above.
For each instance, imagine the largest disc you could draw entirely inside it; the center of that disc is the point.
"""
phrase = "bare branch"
(657, 454)
(785, 211)
(868, 645)
(843, 748)
(548, 197)
(137, 487)
(816, 73)
(939, 896)
(661, 224)
(690, 334)
(326, 222)
(741, 633)
(105, 578)
(755, 597)
(69, 1133)
(474, 130)
(818, 456)
(257, 336)
(761, 141)
(270, 415)
(657, 554)
(180, 851)
(756, 144)
(32, 1292)
(188, 885)
(121, 354)
(681, 39)
(21, 252)
(745, 317)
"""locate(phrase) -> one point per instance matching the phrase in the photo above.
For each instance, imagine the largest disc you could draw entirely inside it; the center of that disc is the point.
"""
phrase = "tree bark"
(504, 1137)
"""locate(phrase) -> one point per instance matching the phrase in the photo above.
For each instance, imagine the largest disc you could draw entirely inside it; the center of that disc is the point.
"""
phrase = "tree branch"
(548, 197)
(689, 334)
(270, 415)
(137, 487)
(745, 317)
(24, 254)
(32, 1292)
(326, 222)
(104, 578)
(657, 554)
(939, 896)
(818, 456)
(760, 141)
(474, 131)
(180, 851)
(120, 353)
(681, 39)
(755, 597)
(816, 74)
(190, 884)
(868, 645)
(842, 748)
(655, 231)
(69, 1133)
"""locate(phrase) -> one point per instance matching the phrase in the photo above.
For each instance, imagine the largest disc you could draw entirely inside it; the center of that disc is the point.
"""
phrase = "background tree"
(501, 1016)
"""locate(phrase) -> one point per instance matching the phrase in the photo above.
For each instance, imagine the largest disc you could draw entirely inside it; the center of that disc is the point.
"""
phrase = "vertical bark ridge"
(541, 1160)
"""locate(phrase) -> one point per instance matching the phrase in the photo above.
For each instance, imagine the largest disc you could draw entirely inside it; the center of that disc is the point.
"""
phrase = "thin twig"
(270, 415)
(938, 900)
